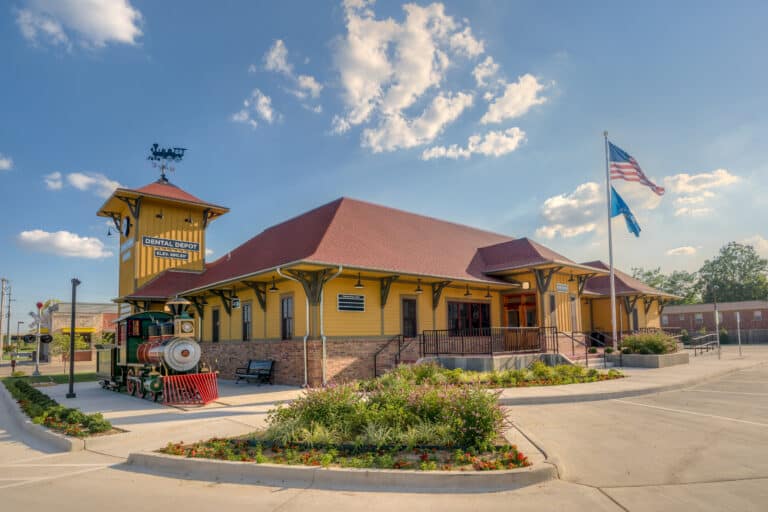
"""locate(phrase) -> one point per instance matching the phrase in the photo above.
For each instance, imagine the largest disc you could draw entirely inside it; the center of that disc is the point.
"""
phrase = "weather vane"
(164, 156)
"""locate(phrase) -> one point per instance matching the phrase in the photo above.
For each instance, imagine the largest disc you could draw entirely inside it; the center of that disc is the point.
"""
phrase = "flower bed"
(539, 374)
(45, 411)
(649, 343)
(398, 426)
(424, 459)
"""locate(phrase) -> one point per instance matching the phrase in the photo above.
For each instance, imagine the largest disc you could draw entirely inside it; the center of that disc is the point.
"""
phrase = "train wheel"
(130, 384)
(143, 391)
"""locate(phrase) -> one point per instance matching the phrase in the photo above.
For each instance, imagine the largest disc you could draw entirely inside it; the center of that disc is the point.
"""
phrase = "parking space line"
(32, 480)
(724, 392)
(682, 411)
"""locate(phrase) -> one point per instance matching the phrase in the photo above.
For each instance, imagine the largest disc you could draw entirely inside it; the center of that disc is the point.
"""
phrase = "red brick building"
(695, 317)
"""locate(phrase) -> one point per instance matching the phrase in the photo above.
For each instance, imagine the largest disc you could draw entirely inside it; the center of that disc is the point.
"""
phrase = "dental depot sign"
(169, 248)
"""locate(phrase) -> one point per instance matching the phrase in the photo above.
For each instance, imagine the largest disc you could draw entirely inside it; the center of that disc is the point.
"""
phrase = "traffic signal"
(46, 338)
(29, 338)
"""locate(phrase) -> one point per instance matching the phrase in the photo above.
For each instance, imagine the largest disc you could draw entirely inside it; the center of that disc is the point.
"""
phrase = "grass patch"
(43, 410)
(538, 374)
(59, 378)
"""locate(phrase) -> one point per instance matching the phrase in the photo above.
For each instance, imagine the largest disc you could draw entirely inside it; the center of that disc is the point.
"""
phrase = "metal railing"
(590, 341)
(489, 341)
(703, 343)
(398, 339)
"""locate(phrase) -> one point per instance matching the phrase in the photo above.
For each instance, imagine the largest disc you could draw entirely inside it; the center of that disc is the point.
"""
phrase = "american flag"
(624, 167)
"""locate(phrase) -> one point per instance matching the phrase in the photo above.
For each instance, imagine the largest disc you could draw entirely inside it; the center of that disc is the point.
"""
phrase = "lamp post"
(71, 394)
(717, 320)
(37, 337)
(18, 325)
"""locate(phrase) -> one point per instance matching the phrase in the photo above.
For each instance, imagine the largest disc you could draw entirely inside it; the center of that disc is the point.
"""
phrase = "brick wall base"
(346, 360)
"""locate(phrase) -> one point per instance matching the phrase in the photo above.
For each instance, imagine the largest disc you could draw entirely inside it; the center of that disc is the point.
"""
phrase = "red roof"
(358, 234)
(519, 253)
(168, 190)
(624, 283)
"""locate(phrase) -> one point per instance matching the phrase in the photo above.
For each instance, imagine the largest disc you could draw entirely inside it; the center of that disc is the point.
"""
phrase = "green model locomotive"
(155, 355)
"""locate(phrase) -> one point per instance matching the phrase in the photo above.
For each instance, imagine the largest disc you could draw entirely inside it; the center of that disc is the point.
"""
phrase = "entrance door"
(513, 318)
(408, 310)
(574, 313)
(215, 321)
(635, 320)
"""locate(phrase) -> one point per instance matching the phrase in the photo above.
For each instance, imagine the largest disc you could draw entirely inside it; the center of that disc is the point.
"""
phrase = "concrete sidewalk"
(641, 381)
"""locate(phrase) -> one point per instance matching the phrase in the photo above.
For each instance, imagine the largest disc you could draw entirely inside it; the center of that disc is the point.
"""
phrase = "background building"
(695, 317)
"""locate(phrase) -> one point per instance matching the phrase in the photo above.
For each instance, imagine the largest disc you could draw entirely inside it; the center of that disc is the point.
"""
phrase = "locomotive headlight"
(186, 327)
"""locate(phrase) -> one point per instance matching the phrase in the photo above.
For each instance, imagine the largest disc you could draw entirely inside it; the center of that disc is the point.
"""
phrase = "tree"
(60, 344)
(738, 272)
(681, 283)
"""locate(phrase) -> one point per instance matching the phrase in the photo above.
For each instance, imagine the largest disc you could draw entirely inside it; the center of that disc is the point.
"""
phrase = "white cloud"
(96, 23)
(495, 144)
(686, 250)
(96, 182)
(693, 212)
(63, 243)
(517, 100)
(208, 252)
(571, 214)
(6, 163)
(256, 105)
(758, 242)
(485, 70)
(53, 181)
(696, 183)
(693, 190)
(310, 85)
(396, 131)
(276, 59)
(387, 67)
(465, 43)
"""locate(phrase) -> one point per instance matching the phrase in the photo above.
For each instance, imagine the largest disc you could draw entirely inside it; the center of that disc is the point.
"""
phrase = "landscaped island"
(419, 417)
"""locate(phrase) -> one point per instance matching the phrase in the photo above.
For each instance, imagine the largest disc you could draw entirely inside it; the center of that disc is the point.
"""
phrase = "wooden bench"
(260, 371)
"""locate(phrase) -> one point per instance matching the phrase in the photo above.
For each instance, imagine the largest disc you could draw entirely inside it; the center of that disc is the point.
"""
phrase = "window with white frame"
(698, 319)
(682, 316)
(664, 320)
(757, 316)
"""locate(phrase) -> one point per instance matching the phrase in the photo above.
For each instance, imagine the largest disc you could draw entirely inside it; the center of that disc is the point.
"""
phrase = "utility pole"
(71, 393)
(3, 282)
(8, 321)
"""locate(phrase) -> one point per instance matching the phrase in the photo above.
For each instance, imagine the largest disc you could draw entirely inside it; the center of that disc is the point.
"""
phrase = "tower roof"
(162, 190)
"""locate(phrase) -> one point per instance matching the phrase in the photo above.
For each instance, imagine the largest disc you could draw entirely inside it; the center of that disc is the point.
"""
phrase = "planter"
(648, 360)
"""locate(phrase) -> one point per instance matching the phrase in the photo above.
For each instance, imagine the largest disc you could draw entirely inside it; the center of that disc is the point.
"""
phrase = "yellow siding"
(352, 323)
(172, 225)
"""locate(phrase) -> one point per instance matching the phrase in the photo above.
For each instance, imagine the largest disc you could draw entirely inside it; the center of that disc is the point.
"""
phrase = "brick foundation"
(347, 359)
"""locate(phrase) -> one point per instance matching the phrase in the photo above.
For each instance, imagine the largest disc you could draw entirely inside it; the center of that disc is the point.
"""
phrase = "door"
(513, 318)
(552, 310)
(286, 318)
(635, 320)
(408, 310)
(574, 314)
(215, 320)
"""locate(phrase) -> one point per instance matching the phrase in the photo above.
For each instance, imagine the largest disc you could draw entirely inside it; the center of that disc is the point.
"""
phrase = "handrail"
(488, 341)
(585, 345)
(703, 345)
(399, 339)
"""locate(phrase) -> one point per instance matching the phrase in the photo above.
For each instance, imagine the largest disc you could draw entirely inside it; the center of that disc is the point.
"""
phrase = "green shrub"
(724, 338)
(592, 350)
(609, 350)
(684, 336)
(649, 343)
(43, 410)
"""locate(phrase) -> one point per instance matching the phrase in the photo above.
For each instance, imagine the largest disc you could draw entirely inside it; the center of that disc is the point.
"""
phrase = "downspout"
(322, 315)
(306, 371)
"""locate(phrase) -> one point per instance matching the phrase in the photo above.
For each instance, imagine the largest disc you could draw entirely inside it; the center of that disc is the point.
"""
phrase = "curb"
(59, 441)
(612, 395)
(341, 479)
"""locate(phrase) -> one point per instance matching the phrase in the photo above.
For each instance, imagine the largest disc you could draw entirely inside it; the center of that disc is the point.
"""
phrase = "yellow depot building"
(351, 288)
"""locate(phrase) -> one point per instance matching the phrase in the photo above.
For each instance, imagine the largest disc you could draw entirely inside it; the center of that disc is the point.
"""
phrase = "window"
(682, 316)
(286, 317)
(468, 315)
(757, 316)
(215, 325)
(247, 319)
(720, 316)
(664, 320)
(698, 319)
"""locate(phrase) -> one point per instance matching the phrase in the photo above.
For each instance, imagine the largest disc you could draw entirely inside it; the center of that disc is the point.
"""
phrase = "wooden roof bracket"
(134, 204)
(312, 281)
(116, 218)
(437, 291)
(582, 281)
(226, 299)
(647, 303)
(630, 303)
(260, 289)
(199, 303)
(385, 285)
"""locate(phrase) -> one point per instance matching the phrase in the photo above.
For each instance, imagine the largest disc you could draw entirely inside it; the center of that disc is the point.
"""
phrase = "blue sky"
(488, 113)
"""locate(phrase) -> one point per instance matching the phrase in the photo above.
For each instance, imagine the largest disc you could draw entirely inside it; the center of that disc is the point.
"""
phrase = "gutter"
(306, 371)
(322, 316)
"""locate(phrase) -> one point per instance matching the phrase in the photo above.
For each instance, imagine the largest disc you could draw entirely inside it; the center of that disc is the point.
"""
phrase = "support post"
(610, 242)
(71, 393)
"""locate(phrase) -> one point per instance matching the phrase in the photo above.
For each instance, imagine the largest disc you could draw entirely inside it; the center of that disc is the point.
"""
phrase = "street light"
(71, 394)
(18, 324)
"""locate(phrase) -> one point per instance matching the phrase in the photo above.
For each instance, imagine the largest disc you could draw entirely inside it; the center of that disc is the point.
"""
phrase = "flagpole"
(610, 244)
